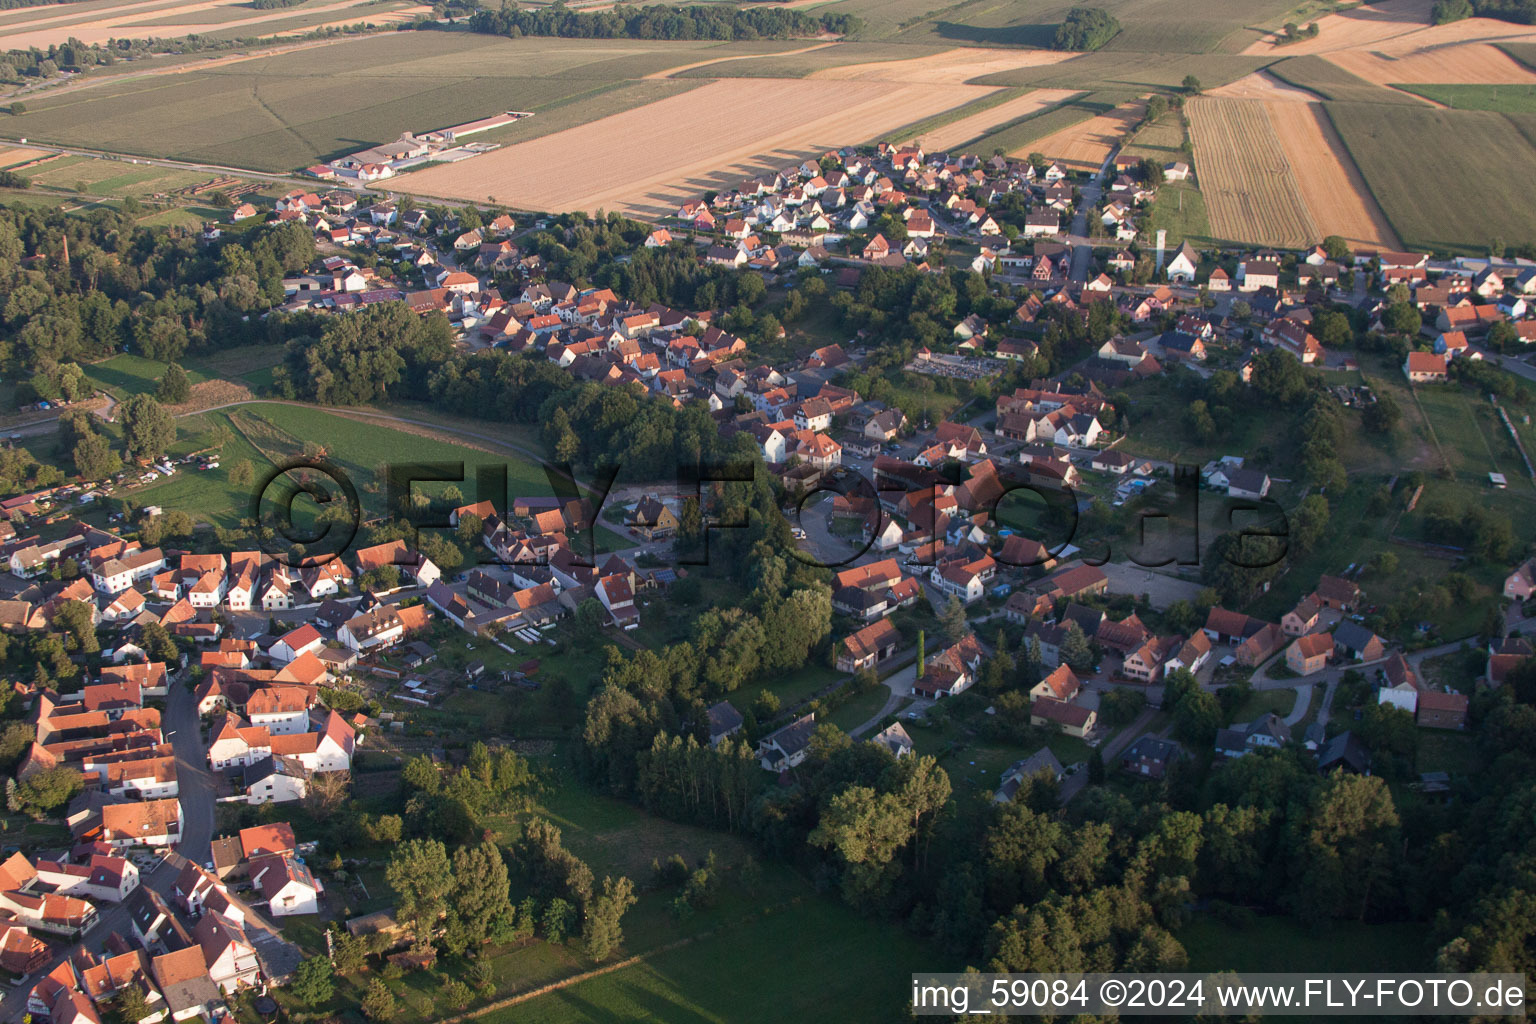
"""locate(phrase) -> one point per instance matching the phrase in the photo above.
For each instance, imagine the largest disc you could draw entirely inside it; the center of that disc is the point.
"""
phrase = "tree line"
(715, 21)
(1521, 12)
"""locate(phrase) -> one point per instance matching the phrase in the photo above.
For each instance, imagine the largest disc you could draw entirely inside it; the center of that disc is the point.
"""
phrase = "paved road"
(1082, 246)
(1074, 784)
(194, 781)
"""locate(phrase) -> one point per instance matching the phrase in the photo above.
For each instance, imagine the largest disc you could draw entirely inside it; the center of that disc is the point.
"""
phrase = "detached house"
(1071, 719)
(1267, 733)
(287, 885)
(1309, 654)
(1062, 684)
(868, 647)
(786, 748)
(1521, 584)
(1425, 367)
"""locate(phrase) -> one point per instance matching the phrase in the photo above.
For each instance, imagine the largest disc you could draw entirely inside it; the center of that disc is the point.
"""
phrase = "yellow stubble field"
(646, 161)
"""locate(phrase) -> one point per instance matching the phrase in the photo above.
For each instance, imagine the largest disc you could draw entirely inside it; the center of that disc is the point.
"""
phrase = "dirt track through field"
(957, 133)
(950, 67)
(1474, 63)
(1085, 145)
(646, 161)
(674, 72)
(1331, 185)
(1251, 192)
(1261, 85)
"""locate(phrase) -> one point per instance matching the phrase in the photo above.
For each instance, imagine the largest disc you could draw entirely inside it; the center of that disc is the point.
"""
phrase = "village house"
(1268, 732)
(786, 748)
(1437, 710)
(1425, 367)
(1070, 719)
(1042, 762)
(724, 721)
(868, 647)
(1061, 684)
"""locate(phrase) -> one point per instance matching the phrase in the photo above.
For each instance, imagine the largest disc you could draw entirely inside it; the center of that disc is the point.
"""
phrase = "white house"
(787, 747)
(304, 640)
(237, 745)
(1184, 264)
(105, 878)
(372, 630)
(141, 823)
(275, 780)
(288, 886)
(281, 709)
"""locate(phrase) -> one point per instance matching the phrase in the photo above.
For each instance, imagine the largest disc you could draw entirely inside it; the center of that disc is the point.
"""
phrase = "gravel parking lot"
(1162, 589)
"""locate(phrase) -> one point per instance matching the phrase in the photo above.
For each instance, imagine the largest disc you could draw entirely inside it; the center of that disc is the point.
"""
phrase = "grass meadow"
(1503, 99)
(265, 432)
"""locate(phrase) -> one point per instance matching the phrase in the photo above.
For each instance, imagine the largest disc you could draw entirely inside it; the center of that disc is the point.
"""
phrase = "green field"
(1332, 82)
(1505, 99)
(261, 431)
(114, 178)
(1403, 151)
(127, 375)
(1525, 53)
(263, 113)
(810, 960)
(235, 12)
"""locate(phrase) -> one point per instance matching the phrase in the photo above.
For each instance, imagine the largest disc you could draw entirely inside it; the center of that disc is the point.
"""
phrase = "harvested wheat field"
(646, 161)
(950, 67)
(1396, 27)
(125, 21)
(1085, 146)
(1461, 63)
(1251, 192)
(1261, 85)
(957, 133)
(1332, 188)
(396, 17)
(1359, 27)
(12, 157)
